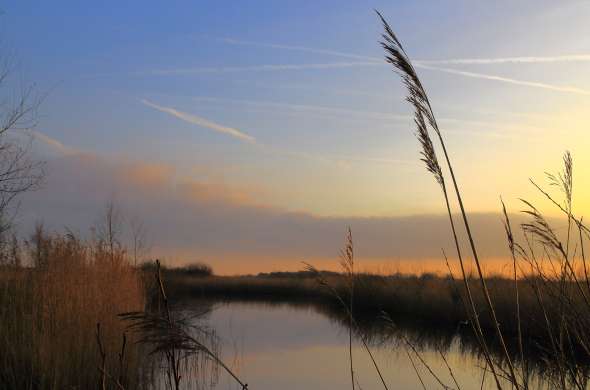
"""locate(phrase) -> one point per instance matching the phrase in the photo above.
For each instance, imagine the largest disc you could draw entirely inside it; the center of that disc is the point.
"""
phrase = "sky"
(251, 134)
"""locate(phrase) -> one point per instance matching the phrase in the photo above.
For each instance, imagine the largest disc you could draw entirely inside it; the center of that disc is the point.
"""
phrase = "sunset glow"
(206, 114)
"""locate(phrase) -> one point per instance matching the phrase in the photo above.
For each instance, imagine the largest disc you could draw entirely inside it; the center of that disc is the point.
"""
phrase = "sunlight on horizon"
(285, 195)
(225, 118)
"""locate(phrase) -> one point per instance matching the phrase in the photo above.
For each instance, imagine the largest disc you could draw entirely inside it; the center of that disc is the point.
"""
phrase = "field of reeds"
(59, 327)
(81, 316)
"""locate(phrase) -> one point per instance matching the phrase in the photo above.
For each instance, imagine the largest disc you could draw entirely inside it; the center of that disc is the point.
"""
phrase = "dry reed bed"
(48, 335)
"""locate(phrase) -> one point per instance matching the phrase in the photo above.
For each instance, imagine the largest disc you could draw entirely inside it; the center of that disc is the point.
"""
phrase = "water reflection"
(286, 346)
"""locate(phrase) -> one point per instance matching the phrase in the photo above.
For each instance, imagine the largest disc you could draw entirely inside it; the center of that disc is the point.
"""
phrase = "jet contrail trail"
(260, 68)
(509, 60)
(534, 84)
(199, 121)
(428, 64)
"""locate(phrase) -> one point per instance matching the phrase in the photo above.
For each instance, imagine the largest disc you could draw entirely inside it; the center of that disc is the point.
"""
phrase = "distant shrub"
(194, 269)
(197, 269)
(296, 274)
(150, 266)
(428, 276)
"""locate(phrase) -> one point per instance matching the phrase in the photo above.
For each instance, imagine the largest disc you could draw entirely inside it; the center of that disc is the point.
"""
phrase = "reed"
(561, 293)
(182, 346)
(48, 332)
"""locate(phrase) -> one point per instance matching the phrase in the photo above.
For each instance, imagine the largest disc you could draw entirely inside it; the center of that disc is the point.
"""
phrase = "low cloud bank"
(189, 220)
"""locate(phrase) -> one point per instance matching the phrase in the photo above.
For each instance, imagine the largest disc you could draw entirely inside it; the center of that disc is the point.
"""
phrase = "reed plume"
(418, 98)
(566, 317)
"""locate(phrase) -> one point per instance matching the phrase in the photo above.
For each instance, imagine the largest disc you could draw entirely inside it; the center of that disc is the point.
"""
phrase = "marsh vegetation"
(80, 313)
(53, 314)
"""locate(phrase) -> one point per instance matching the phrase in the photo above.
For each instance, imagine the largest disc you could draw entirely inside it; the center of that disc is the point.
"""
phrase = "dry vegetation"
(68, 306)
(78, 316)
(560, 294)
(50, 313)
(425, 301)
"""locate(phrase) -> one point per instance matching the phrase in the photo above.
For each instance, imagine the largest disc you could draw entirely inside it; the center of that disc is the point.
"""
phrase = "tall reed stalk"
(554, 279)
(347, 264)
(418, 98)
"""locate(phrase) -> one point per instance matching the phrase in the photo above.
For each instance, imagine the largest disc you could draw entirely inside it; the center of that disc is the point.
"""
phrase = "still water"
(297, 347)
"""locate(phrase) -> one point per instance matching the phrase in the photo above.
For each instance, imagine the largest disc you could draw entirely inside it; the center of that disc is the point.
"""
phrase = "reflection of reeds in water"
(345, 300)
(182, 346)
(561, 293)
(347, 264)
(427, 300)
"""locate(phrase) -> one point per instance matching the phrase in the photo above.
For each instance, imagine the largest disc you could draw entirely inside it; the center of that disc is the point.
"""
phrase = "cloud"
(189, 219)
(202, 122)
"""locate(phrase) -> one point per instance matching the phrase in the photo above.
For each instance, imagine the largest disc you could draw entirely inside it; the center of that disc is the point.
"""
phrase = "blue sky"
(286, 105)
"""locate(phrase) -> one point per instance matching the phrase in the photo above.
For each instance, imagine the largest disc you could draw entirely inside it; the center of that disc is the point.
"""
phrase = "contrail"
(427, 64)
(54, 144)
(534, 84)
(508, 60)
(340, 112)
(450, 61)
(417, 64)
(301, 48)
(323, 110)
(259, 68)
(199, 121)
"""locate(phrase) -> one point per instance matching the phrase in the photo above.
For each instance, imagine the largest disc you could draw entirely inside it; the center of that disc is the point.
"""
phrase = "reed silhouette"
(561, 293)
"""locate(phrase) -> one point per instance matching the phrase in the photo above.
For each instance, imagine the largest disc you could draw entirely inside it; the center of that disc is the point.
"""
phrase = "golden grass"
(50, 314)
